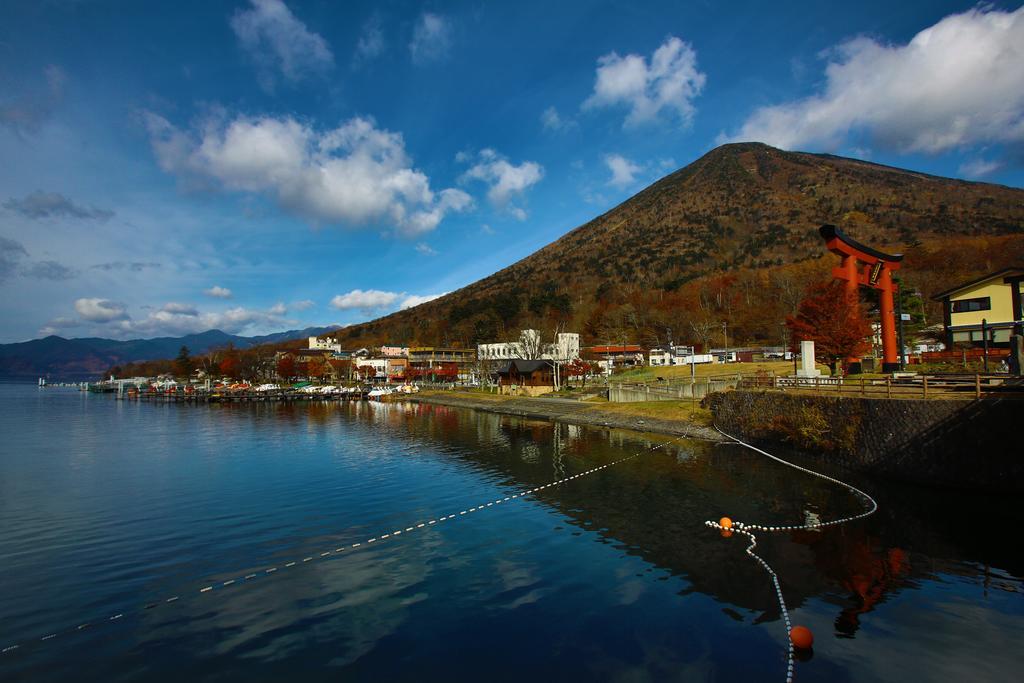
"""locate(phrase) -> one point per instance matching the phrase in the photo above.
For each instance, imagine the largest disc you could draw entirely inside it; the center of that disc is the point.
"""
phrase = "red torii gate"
(863, 266)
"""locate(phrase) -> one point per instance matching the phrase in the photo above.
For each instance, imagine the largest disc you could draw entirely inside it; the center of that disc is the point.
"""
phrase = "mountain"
(732, 237)
(84, 358)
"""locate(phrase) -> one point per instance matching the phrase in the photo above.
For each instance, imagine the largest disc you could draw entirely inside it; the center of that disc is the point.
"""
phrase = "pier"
(222, 396)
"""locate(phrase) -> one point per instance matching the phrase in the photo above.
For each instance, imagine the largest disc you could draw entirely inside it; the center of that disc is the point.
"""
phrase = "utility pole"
(984, 339)
(725, 333)
(899, 321)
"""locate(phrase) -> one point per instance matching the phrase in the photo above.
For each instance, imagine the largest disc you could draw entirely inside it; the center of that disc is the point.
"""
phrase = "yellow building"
(993, 301)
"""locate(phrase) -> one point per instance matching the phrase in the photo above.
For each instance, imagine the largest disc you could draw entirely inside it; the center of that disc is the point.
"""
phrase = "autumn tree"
(580, 368)
(833, 319)
(341, 367)
(229, 366)
(318, 367)
(286, 367)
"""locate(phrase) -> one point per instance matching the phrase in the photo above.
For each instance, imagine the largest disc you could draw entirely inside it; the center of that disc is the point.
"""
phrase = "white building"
(327, 344)
(529, 346)
(677, 355)
(394, 351)
(379, 366)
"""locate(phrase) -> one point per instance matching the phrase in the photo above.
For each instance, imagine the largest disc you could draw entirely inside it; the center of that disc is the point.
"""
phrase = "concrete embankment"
(573, 412)
(958, 443)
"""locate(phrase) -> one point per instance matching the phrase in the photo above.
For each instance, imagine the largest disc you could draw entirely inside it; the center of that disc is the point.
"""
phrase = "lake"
(115, 515)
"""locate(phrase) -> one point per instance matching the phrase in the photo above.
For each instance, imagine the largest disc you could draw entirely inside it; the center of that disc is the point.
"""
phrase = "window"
(965, 305)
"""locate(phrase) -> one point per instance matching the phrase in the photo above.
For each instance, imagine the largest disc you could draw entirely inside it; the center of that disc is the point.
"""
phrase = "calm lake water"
(108, 507)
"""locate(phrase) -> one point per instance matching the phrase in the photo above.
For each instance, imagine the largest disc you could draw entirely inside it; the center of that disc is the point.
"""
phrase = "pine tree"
(183, 364)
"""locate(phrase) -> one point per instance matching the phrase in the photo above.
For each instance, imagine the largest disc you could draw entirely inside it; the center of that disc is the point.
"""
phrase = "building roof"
(616, 348)
(524, 366)
(967, 285)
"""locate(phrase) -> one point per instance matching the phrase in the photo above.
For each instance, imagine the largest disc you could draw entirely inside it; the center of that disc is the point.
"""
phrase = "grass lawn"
(476, 394)
(659, 410)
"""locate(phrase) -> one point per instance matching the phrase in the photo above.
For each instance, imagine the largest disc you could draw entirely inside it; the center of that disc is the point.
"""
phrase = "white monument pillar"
(807, 365)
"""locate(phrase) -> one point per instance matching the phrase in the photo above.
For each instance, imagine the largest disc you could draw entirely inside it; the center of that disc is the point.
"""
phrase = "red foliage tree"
(581, 369)
(286, 367)
(229, 367)
(318, 367)
(833, 319)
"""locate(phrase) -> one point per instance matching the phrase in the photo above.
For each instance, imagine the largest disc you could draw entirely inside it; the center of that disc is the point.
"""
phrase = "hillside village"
(979, 317)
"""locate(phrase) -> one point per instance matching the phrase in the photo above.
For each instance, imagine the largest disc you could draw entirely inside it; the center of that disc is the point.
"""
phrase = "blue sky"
(258, 165)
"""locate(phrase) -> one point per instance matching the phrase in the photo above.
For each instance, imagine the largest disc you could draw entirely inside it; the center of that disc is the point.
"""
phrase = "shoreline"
(571, 412)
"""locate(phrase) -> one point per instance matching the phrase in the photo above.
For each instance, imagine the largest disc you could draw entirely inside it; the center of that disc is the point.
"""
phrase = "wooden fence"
(916, 386)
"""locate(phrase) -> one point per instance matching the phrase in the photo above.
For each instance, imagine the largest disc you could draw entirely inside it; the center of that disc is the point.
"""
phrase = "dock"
(223, 396)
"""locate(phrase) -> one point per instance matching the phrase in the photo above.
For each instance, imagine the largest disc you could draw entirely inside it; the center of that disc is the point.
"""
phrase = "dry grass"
(659, 410)
(682, 372)
(474, 394)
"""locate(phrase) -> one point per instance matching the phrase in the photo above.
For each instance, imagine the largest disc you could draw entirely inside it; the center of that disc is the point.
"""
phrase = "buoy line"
(220, 586)
(795, 635)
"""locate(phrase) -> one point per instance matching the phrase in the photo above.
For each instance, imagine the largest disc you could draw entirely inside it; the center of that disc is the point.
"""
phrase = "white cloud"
(670, 81)
(218, 292)
(366, 300)
(375, 300)
(979, 168)
(278, 309)
(276, 40)
(177, 319)
(426, 249)
(623, 170)
(431, 39)
(415, 300)
(553, 121)
(507, 181)
(371, 40)
(955, 84)
(173, 319)
(486, 229)
(303, 305)
(356, 174)
(100, 310)
(58, 324)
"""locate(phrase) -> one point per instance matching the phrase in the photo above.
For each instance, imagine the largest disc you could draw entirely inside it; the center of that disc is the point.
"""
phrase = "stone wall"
(963, 443)
(657, 391)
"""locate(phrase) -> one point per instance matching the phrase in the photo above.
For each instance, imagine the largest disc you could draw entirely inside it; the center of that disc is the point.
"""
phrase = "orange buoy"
(725, 523)
(802, 637)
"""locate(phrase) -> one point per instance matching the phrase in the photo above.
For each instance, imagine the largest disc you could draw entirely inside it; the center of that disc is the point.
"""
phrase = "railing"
(916, 386)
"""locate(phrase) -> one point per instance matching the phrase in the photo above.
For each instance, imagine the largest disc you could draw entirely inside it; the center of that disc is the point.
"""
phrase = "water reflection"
(655, 508)
(609, 577)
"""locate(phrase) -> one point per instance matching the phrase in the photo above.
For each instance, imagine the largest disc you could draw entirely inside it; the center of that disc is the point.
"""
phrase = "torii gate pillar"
(862, 266)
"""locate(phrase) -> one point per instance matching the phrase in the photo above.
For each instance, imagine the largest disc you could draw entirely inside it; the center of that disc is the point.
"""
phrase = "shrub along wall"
(973, 444)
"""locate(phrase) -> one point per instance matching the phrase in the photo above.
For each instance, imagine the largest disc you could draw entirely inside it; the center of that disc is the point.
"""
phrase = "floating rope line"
(219, 586)
(746, 529)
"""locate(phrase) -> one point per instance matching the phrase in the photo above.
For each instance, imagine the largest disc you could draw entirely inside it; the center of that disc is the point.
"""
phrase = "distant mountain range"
(73, 359)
